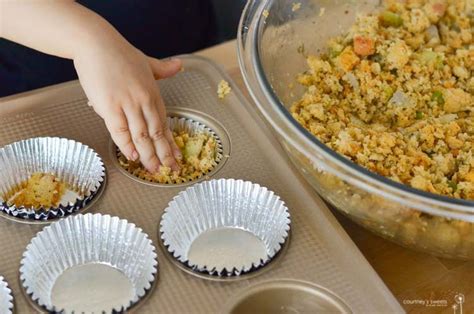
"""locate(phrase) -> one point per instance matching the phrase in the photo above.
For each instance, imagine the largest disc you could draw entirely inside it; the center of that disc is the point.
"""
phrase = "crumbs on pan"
(265, 13)
(395, 94)
(40, 190)
(322, 11)
(296, 6)
(199, 157)
(223, 89)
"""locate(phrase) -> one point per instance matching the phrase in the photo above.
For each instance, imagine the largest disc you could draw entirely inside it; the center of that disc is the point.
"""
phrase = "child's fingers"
(158, 136)
(142, 139)
(117, 125)
(169, 135)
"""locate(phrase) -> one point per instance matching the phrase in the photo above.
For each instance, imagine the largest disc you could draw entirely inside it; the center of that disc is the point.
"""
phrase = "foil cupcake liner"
(192, 127)
(6, 298)
(91, 239)
(73, 163)
(198, 224)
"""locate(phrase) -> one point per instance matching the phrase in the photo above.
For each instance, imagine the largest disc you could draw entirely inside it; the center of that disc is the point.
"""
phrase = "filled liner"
(178, 125)
(73, 163)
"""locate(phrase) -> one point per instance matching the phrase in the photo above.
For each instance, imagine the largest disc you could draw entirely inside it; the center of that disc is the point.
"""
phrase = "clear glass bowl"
(272, 35)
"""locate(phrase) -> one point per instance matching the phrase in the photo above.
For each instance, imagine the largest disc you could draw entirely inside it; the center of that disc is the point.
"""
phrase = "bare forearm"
(62, 28)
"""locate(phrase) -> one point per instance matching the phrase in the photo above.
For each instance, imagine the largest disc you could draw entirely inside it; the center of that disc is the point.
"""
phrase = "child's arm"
(118, 79)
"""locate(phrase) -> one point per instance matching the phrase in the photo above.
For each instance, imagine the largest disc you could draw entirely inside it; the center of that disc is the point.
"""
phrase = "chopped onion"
(358, 122)
(447, 118)
(433, 33)
(351, 79)
(399, 98)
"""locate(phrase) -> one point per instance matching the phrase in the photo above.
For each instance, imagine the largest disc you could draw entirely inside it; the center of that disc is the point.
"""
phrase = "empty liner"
(72, 248)
(71, 162)
(192, 127)
(225, 227)
(6, 298)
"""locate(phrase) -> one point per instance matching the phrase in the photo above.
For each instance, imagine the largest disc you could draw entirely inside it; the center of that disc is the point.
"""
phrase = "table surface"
(409, 274)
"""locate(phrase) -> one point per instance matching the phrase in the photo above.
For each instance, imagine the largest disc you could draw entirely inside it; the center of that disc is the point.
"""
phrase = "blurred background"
(227, 14)
(160, 28)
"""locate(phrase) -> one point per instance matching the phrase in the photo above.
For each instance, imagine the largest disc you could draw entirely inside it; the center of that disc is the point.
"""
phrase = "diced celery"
(389, 18)
(334, 52)
(419, 115)
(453, 185)
(388, 91)
(193, 147)
(431, 57)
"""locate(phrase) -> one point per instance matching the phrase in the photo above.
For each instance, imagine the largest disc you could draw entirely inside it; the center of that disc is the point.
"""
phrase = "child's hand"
(119, 81)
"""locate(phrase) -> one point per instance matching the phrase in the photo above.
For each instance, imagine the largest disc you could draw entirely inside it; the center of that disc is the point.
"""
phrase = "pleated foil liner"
(6, 298)
(184, 124)
(225, 227)
(71, 162)
(89, 264)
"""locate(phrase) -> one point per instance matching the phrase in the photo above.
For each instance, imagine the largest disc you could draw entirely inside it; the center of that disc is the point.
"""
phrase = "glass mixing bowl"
(274, 36)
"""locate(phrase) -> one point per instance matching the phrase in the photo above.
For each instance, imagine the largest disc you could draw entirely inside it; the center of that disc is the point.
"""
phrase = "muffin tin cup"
(6, 298)
(71, 162)
(274, 295)
(225, 227)
(191, 122)
(82, 241)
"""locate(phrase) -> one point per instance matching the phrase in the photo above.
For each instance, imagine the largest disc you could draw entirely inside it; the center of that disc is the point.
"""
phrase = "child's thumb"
(165, 68)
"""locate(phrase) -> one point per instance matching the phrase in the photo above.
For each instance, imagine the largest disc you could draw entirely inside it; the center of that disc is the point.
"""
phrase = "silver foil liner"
(192, 127)
(225, 227)
(83, 240)
(6, 298)
(73, 163)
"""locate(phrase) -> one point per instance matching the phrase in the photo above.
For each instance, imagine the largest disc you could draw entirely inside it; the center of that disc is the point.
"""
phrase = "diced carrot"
(364, 46)
(348, 59)
(439, 8)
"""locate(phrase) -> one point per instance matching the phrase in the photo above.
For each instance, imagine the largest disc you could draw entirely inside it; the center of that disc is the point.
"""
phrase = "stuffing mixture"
(40, 190)
(199, 157)
(395, 94)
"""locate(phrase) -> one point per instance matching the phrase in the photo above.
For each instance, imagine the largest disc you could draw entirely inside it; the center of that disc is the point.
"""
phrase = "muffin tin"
(295, 296)
(320, 251)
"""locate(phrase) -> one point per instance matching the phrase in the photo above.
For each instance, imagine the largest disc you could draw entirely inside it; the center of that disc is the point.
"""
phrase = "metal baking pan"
(320, 252)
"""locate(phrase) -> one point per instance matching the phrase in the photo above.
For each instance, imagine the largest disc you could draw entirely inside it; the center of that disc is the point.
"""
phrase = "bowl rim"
(467, 206)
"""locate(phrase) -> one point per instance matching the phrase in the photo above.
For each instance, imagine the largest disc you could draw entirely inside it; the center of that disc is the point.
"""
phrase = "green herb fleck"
(438, 97)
